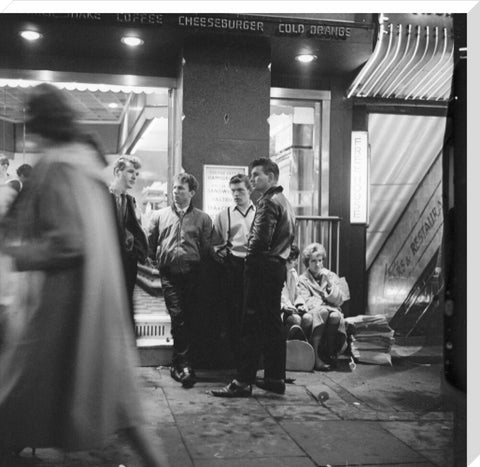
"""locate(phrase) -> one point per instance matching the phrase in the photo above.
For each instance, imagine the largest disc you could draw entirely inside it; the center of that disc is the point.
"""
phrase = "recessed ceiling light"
(131, 41)
(113, 105)
(30, 35)
(305, 58)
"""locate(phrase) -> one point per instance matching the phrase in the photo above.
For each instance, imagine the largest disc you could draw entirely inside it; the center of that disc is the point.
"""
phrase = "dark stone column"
(226, 104)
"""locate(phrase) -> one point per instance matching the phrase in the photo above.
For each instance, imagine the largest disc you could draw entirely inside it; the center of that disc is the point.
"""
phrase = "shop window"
(299, 122)
(125, 119)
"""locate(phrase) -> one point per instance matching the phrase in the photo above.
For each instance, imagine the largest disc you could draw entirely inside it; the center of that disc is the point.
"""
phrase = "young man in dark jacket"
(269, 244)
(179, 237)
(133, 239)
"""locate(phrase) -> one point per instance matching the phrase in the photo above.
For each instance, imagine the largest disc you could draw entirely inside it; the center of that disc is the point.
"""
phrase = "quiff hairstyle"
(267, 165)
(122, 162)
(312, 249)
(241, 178)
(189, 179)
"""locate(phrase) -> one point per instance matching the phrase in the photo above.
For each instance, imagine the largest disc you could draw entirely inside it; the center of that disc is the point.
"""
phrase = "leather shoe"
(185, 375)
(233, 390)
(272, 385)
(175, 373)
(188, 378)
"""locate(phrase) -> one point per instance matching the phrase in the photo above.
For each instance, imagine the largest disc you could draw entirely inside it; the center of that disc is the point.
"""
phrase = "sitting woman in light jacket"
(323, 321)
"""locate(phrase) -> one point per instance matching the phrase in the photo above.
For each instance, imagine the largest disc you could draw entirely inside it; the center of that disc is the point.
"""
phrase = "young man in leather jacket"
(269, 244)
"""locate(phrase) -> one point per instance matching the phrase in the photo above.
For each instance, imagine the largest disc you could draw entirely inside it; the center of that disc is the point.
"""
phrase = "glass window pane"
(293, 137)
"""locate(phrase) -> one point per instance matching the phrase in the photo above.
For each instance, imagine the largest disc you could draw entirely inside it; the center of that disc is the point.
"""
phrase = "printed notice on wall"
(216, 191)
(359, 178)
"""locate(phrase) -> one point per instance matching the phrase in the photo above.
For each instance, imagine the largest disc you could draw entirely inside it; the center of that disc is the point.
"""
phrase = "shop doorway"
(133, 119)
(300, 145)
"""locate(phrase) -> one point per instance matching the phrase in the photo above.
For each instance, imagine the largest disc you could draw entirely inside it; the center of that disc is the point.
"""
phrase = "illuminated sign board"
(216, 191)
(333, 29)
(359, 189)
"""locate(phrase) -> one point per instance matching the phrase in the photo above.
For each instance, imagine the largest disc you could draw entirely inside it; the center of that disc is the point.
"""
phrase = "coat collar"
(272, 191)
(177, 212)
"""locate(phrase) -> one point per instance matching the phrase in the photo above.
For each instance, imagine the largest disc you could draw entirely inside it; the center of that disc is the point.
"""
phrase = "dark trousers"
(180, 292)
(130, 271)
(262, 327)
(234, 271)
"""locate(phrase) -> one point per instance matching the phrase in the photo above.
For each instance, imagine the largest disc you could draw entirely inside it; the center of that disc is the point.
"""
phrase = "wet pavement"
(374, 416)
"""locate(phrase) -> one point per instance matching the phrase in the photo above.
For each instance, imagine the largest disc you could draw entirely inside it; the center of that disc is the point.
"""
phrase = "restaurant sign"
(359, 183)
(244, 24)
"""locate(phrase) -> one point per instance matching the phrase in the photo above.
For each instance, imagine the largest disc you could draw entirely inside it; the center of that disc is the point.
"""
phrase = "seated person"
(323, 321)
(292, 303)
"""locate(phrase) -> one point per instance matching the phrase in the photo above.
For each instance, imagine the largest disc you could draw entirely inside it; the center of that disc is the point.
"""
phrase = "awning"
(75, 86)
(412, 60)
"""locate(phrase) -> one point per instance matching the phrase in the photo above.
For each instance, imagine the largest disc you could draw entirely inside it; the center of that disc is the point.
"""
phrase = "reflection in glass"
(293, 136)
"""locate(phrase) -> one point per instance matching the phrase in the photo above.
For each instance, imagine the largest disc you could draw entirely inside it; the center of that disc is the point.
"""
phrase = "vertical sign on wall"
(359, 189)
(216, 191)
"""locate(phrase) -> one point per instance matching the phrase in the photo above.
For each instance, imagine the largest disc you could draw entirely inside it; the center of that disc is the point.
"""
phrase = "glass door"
(299, 144)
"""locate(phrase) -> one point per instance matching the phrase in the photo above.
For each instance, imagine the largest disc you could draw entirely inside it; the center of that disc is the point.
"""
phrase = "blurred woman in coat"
(67, 365)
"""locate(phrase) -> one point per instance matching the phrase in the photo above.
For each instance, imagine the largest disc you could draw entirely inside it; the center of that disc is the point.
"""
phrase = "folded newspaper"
(372, 339)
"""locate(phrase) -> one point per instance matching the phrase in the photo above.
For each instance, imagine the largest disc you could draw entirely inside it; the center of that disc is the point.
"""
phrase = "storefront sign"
(420, 242)
(359, 189)
(216, 191)
(249, 24)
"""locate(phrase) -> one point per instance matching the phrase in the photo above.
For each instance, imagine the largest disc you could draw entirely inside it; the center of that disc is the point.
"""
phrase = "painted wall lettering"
(419, 239)
(220, 23)
(291, 28)
(140, 18)
(427, 224)
(329, 32)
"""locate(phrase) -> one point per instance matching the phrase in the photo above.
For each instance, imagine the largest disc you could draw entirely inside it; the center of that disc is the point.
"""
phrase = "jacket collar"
(272, 191)
(177, 212)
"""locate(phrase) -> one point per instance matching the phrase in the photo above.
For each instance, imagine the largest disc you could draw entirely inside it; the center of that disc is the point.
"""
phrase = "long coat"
(318, 301)
(67, 366)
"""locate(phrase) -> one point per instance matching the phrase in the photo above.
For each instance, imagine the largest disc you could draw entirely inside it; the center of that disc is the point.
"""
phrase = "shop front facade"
(208, 93)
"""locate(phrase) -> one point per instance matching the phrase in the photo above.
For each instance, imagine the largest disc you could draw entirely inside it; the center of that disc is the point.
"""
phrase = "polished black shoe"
(272, 385)
(185, 375)
(188, 378)
(233, 390)
(175, 373)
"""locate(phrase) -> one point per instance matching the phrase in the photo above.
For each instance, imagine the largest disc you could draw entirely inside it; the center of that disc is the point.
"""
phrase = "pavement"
(400, 415)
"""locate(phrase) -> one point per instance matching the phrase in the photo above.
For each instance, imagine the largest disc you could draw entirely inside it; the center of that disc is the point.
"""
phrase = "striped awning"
(412, 59)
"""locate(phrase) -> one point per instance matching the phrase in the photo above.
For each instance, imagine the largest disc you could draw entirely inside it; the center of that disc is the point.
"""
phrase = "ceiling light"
(305, 58)
(131, 41)
(113, 105)
(30, 35)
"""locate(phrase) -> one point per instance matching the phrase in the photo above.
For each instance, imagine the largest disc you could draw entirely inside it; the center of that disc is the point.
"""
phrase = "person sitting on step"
(323, 293)
(291, 302)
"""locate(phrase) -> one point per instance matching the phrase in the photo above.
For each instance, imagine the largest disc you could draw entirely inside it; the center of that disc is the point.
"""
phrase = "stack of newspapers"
(372, 339)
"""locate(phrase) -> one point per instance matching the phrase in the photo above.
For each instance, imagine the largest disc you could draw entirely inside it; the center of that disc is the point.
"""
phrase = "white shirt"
(240, 223)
